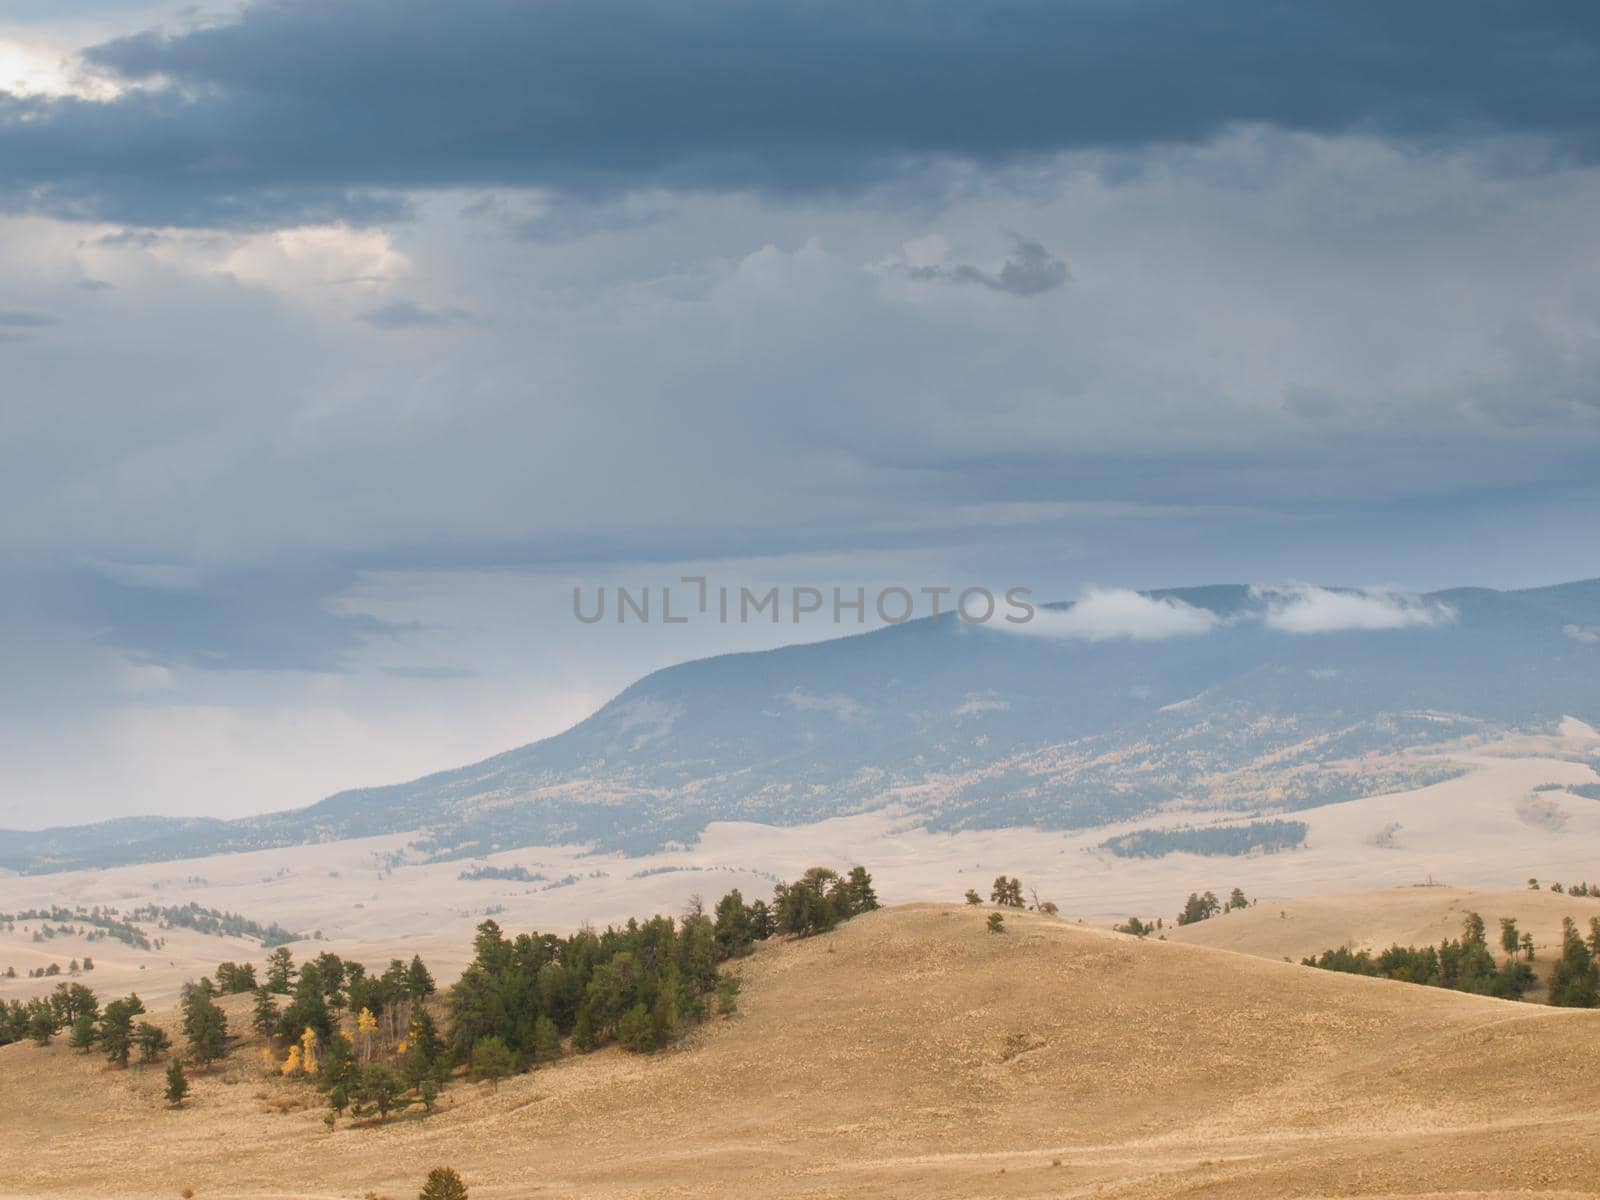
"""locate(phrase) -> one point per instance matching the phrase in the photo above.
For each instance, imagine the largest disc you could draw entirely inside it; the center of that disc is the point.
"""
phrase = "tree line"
(1467, 964)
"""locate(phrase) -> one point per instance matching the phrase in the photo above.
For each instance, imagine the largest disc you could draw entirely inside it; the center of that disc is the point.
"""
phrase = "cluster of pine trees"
(638, 986)
(1581, 888)
(1464, 964)
(115, 1030)
(372, 1043)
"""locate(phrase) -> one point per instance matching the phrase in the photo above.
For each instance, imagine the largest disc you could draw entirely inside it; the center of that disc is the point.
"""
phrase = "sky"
(340, 343)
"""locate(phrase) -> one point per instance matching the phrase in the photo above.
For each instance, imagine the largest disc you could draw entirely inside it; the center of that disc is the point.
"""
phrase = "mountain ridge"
(1077, 726)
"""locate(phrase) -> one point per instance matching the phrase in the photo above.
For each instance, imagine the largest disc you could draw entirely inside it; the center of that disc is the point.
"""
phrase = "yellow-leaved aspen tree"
(366, 1026)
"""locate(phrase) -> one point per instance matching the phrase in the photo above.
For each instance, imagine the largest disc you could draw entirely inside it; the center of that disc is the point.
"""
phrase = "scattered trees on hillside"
(1138, 928)
(1575, 977)
(1199, 907)
(1006, 892)
(1463, 964)
(233, 978)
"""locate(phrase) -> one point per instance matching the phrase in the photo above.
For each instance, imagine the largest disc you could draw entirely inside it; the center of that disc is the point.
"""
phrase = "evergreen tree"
(732, 929)
(492, 1060)
(309, 1008)
(419, 982)
(1007, 892)
(997, 923)
(443, 1184)
(265, 1017)
(378, 1090)
(973, 897)
(338, 1065)
(152, 1041)
(42, 1025)
(423, 1049)
(116, 1029)
(858, 887)
(280, 971)
(177, 1084)
(546, 1040)
(1575, 978)
(83, 1033)
(233, 978)
(761, 924)
(206, 1027)
(1509, 939)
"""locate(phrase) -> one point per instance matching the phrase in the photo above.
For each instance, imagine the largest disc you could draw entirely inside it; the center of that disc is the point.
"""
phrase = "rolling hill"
(913, 1054)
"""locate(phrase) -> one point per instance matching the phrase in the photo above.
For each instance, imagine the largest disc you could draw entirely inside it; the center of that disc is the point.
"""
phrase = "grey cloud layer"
(300, 110)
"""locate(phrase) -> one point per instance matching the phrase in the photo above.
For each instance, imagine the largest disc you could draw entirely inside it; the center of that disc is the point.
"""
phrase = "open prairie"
(371, 899)
(912, 1054)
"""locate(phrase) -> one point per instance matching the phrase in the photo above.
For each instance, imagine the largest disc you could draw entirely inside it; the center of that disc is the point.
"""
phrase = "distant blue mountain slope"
(990, 727)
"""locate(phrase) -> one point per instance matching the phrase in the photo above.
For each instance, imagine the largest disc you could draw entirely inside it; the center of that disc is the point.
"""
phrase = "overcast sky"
(339, 342)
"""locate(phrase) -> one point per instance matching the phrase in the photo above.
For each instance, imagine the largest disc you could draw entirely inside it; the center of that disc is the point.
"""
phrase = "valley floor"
(1480, 830)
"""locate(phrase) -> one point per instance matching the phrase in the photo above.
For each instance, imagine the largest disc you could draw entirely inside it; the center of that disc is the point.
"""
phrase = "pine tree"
(83, 1033)
(492, 1060)
(177, 1084)
(443, 1184)
(206, 1027)
(280, 971)
(732, 928)
(116, 1029)
(997, 923)
(152, 1041)
(338, 1060)
(42, 1024)
(265, 1017)
(419, 983)
(973, 897)
(1509, 939)
(546, 1040)
(378, 1089)
(858, 886)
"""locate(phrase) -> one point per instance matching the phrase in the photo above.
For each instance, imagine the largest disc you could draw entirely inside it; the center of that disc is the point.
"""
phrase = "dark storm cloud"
(301, 110)
(1028, 270)
(270, 618)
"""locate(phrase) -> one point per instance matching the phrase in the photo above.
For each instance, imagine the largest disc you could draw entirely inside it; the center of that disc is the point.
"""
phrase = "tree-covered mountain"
(1227, 696)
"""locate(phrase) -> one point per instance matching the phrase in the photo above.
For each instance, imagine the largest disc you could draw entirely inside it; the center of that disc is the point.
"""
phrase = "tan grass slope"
(914, 1054)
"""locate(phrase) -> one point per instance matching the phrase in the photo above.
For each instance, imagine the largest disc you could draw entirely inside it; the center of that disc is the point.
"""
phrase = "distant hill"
(1223, 697)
